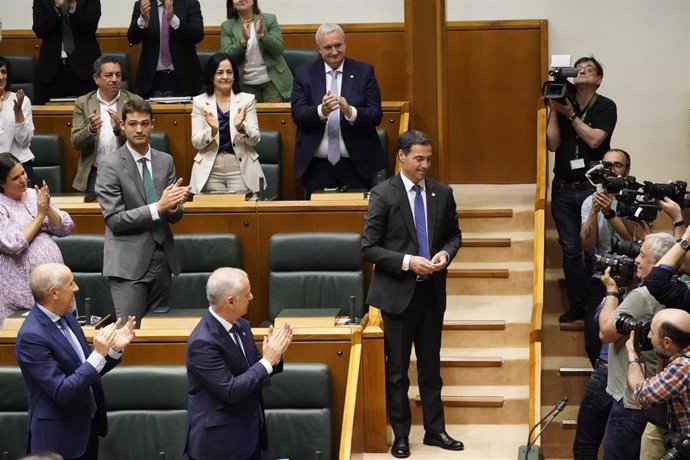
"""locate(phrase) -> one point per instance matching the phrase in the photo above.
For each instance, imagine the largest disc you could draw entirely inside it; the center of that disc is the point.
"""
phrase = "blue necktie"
(64, 328)
(235, 334)
(420, 223)
(151, 197)
(333, 124)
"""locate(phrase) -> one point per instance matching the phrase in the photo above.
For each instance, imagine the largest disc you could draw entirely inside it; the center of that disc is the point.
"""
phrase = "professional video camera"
(560, 88)
(625, 247)
(626, 324)
(601, 176)
(678, 446)
(622, 268)
(635, 205)
(677, 191)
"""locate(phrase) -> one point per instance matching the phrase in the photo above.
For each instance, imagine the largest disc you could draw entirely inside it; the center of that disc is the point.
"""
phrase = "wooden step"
(486, 242)
(484, 213)
(467, 401)
(574, 326)
(471, 361)
(478, 273)
(575, 371)
(474, 325)
(569, 424)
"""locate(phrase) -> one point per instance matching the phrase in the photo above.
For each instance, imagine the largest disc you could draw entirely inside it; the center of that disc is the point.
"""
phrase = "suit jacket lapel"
(226, 342)
(431, 210)
(319, 82)
(404, 205)
(132, 169)
(159, 172)
(346, 82)
(56, 334)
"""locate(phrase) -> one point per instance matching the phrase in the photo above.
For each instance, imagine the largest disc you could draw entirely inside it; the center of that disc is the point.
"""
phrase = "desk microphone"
(262, 196)
(530, 451)
(353, 318)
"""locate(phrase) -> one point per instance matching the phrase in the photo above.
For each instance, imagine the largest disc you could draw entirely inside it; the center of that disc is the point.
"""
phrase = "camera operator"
(599, 225)
(578, 131)
(661, 282)
(626, 423)
(670, 337)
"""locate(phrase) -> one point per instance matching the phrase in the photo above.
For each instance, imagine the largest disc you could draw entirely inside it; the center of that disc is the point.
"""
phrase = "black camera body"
(678, 446)
(560, 88)
(625, 247)
(676, 191)
(638, 211)
(626, 324)
(622, 267)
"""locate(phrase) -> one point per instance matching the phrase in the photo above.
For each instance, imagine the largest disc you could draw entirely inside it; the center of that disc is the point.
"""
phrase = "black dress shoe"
(400, 448)
(572, 315)
(443, 441)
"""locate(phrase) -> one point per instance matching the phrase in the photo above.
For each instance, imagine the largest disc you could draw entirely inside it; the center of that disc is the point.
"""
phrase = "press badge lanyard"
(584, 115)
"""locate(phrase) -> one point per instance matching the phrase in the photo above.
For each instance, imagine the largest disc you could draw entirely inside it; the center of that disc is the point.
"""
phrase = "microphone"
(353, 318)
(530, 451)
(262, 194)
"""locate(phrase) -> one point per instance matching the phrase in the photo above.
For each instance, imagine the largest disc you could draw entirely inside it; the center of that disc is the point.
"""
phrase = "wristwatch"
(610, 214)
(572, 117)
(684, 244)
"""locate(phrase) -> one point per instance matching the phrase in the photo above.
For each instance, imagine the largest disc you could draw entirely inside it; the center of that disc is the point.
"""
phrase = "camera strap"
(583, 117)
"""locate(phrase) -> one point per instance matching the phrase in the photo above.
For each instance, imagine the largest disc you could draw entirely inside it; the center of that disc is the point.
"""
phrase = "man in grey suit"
(139, 196)
(411, 234)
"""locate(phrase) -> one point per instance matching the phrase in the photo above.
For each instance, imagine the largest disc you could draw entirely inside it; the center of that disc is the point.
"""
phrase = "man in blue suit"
(225, 419)
(63, 376)
(336, 105)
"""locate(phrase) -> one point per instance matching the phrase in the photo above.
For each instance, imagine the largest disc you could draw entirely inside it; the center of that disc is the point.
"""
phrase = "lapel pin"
(352, 76)
(433, 194)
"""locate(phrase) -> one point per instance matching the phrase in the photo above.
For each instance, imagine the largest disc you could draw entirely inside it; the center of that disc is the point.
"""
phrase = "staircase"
(485, 346)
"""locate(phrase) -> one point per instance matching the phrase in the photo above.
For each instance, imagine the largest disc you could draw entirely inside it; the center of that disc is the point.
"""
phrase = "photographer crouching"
(626, 423)
(670, 338)
(579, 131)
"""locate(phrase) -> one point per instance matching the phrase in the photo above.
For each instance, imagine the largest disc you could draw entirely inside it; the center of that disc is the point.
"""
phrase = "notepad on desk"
(307, 317)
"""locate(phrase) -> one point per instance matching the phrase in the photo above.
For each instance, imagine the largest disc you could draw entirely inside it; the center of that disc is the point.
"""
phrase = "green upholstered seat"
(23, 70)
(295, 57)
(269, 150)
(160, 141)
(200, 254)
(14, 420)
(315, 270)
(147, 410)
(47, 148)
(83, 254)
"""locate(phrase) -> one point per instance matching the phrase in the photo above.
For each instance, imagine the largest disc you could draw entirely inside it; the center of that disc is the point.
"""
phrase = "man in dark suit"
(168, 64)
(411, 234)
(139, 197)
(226, 373)
(63, 376)
(67, 29)
(336, 105)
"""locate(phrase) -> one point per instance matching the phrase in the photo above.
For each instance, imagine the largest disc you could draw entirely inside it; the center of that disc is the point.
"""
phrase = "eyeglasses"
(585, 69)
(614, 165)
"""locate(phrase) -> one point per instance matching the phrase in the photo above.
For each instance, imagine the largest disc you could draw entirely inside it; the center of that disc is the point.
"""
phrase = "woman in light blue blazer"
(253, 41)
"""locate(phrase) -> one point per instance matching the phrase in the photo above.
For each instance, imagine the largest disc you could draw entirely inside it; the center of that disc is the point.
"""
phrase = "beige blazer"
(242, 143)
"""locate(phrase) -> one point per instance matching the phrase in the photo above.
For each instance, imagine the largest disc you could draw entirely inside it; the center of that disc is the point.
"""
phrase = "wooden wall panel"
(494, 84)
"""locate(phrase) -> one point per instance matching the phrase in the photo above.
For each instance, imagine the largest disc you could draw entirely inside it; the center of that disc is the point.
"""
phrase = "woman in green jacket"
(253, 40)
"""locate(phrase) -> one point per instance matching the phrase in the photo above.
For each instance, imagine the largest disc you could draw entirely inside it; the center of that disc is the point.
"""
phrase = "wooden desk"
(318, 345)
(253, 222)
(175, 119)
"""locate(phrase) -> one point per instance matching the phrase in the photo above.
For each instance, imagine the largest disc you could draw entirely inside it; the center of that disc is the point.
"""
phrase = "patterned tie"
(67, 37)
(420, 223)
(64, 328)
(166, 58)
(333, 124)
(151, 197)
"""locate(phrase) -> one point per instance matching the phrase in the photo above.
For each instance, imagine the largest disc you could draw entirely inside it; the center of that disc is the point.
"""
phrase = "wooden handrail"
(347, 435)
(538, 273)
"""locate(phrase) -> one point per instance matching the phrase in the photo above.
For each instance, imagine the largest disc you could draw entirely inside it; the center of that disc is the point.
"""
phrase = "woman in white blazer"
(225, 130)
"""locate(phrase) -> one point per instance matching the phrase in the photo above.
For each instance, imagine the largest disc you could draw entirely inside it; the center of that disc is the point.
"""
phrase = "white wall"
(644, 46)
